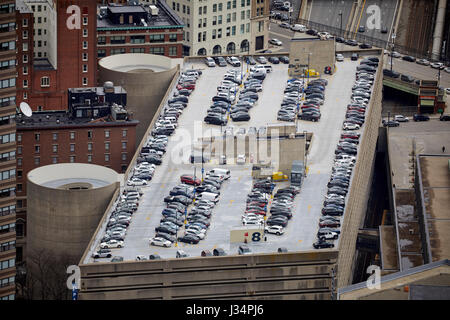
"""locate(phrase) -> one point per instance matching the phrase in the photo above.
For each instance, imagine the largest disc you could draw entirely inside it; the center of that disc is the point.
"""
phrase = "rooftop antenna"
(25, 109)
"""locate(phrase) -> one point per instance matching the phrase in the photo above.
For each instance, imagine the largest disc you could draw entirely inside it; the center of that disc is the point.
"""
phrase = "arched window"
(201, 52)
(217, 49)
(245, 46)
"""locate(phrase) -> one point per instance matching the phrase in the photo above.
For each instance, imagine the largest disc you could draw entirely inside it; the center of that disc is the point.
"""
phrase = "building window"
(25, 23)
(220, 19)
(37, 161)
(84, 56)
(54, 160)
(85, 32)
(157, 50)
(25, 58)
(101, 40)
(85, 81)
(40, 108)
(124, 133)
(156, 38)
(107, 132)
(89, 158)
(45, 82)
(37, 136)
(19, 150)
(137, 50)
(106, 157)
(137, 39)
(25, 34)
(85, 68)
(124, 145)
(85, 44)
(25, 70)
(72, 135)
(173, 37)
(172, 51)
(37, 149)
(117, 51)
(89, 146)
(19, 162)
(72, 159)
(117, 39)
(25, 84)
(55, 148)
(72, 147)
(228, 17)
(124, 157)
(85, 21)
(25, 96)
(220, 7)
(107, 146)
(214, 7)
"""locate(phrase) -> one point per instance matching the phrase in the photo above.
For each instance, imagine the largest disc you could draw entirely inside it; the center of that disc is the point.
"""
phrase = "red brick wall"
(27, 143)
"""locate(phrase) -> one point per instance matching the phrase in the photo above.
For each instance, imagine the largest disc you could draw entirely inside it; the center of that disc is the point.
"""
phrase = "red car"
(356, 109)
(190, 180)
(189, 86)
(255, 203)
(255, 211)
(349, 135)
(307, 106)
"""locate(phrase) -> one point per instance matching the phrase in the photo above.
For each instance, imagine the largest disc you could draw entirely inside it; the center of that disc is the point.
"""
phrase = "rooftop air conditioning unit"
(153, 10)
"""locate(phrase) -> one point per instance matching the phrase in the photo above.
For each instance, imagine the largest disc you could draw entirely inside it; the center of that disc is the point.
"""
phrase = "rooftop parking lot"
(301, 231)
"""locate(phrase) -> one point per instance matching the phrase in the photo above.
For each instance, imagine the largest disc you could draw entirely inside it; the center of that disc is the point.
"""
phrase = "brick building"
(56, 51)
(141, 28)
(7, 150)
(95, 129)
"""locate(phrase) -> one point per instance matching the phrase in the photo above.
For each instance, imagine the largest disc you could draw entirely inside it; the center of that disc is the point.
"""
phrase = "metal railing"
(362, 38)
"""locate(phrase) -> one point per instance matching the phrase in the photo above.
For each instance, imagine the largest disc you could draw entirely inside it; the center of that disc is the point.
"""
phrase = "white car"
(210, 62)
(447, 69)
(111, 244)
(350, 126)
(401, 118)
(240, 159)
(278, 230)
(447, 91)
(160, 242)
(136, 182)
(360, 100)
(324, 35)
(250, 221)
(339, 57)
(298, 27)
(275, 42)
(197, 228)
(329, 236)
(141, 257)
(437, 65)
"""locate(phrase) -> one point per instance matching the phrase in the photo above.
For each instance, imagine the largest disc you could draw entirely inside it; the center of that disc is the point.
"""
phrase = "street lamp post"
(392, 46)
(340, 30)
(304, 151)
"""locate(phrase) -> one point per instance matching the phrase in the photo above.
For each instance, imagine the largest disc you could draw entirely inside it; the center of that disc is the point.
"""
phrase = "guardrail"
(338, 32)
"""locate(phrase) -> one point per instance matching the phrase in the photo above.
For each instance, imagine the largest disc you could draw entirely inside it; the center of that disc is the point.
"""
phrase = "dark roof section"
(42, 64)
(63, 119)
(166, 17)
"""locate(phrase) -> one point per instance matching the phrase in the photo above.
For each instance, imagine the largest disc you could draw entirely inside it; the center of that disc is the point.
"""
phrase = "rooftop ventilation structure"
(118, 112)
(153, 10)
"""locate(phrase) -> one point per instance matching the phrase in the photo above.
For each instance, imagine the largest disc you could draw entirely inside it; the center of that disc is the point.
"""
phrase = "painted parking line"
(309, 207)
(300, 240)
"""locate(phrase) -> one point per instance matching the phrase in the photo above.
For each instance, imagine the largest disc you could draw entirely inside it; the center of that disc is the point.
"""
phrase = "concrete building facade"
(146, 78)
(223, 27)
(7, 150)
(67, 202)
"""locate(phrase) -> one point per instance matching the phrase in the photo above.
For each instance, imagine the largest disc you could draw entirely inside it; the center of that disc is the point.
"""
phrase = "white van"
(226, 173)
(209, 196)
(298, 27)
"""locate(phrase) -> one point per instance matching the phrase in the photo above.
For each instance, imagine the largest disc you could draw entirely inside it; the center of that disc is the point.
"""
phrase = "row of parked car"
(291, 100)
(314, 98)
(118, 223)
(345, 155)
(150, 155)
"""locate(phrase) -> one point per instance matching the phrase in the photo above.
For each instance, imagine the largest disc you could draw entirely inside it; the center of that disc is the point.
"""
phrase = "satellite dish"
(25, 108)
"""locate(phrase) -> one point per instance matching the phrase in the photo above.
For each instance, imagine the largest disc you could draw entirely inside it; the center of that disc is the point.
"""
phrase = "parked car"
(160, 242)
(102, 253)
(276, 42)
(420, 117)
(321, 244)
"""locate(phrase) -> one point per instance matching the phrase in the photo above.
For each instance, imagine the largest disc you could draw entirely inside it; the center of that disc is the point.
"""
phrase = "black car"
(309, 116)
(420, 117)
(165, 229)
(178, 99)
(240, 116)
(354, 57)
(217, 120)
(406, 78)
(444, 117)
(153, 159)
(409, 58)
(311, 32)
(321, 244)
(365, 46)
(220, 98)
(220, 61)
(274, 60)
(284, 59)
(392, 74)
(390, 123)
(340, 40)
(351, 42)
(189, 238)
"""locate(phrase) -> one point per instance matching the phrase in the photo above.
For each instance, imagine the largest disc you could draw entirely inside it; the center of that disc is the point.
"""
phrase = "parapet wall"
(358, 194)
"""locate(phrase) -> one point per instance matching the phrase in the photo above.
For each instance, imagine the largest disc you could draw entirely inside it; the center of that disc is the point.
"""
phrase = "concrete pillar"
(438, 29)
